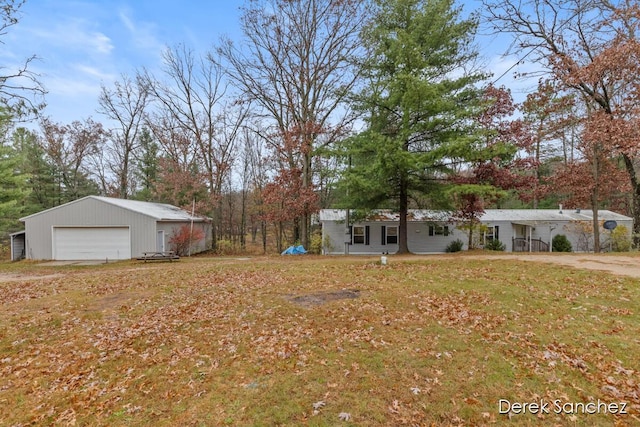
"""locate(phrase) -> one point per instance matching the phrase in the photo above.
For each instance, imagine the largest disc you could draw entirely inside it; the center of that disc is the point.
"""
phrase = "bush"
(226, 247)
(455, 246)
(560, 243)
(182, 238)
(621, 239)
(315, 244)
(495, 245)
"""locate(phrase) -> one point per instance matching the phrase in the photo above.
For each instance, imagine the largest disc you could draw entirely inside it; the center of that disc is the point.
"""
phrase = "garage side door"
(78, 243)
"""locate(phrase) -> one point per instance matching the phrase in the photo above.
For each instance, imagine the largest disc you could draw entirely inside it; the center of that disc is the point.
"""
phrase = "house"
(520, 230)
(98, 228)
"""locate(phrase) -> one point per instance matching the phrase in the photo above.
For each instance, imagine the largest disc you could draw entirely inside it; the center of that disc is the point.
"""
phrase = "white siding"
(334, 236)
(87, 212)
(418, 238)
(525, 224)
(171, 229)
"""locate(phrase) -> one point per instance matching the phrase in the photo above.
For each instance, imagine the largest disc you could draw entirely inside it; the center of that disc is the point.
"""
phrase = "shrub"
(621, 239)
(225, 247)
(455, 246)
(182, 238)
(315, 244)
(327, 244)
(495, 245)
(560, 243)
(5, 251)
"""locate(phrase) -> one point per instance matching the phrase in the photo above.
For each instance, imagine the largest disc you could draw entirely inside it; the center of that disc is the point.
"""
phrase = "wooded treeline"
(355, 104)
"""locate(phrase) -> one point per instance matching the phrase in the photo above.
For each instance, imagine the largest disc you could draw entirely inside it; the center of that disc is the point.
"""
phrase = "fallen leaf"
(344, 416)
(319, 405)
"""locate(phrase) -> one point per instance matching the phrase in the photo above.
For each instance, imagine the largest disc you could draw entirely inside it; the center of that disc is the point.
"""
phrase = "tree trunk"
(635, 195)
(305, 221)
(243, 221)
(124, 176)
(403, 246)
(596, 223)
(263, 233)
(279, 236)
(214, 236)
(595, 195)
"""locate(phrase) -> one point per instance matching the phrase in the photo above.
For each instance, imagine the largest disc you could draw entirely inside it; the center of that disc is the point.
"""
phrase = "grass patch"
(316, 341)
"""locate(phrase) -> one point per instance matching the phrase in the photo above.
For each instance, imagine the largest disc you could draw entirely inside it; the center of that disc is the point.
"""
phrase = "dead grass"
(316, 341)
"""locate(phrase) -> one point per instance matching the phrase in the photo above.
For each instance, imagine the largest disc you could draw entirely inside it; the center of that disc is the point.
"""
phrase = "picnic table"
(158, 256)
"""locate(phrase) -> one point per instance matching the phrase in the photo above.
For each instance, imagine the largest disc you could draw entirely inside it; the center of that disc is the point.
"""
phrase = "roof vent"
(578, 210)
(560, 208)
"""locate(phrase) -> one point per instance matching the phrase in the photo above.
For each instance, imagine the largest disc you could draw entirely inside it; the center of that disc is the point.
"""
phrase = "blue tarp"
(294, 250)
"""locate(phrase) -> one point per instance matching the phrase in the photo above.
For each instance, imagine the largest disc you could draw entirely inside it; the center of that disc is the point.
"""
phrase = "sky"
(84, 44)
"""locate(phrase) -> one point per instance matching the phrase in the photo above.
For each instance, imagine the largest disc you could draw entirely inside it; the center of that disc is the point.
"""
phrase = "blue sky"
(82, 44)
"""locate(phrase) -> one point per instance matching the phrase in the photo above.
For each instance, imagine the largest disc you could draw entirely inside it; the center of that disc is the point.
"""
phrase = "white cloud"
(73, 37)
(101, 43)
(95, 73)
(142, 34)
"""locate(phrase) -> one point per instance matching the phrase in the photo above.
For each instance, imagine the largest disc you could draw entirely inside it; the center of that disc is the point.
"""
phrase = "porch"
(521, 244)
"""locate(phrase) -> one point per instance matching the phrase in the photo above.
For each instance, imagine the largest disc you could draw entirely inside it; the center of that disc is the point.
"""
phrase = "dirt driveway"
(628, 265)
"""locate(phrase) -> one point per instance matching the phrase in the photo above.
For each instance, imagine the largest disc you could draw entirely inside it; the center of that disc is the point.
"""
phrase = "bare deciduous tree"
(590, 47)
(125, 104)
(70, 148)
(295, 64)
(20, 88)
(192, 95)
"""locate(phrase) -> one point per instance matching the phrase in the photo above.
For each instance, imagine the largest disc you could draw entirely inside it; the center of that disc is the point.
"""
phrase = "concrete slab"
(63, 263)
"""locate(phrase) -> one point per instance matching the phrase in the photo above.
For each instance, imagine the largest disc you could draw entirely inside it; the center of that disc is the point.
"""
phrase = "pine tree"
(13, 180)
(418, 99)
(147, 166)
(40, 172)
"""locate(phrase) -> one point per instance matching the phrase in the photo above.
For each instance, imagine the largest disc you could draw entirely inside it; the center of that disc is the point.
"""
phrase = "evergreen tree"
(13, 180)
(41, 173)
(418, 100)
(147, 166)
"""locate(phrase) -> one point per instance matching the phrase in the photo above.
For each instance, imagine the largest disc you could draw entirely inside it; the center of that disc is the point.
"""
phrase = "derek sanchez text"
(561, 407)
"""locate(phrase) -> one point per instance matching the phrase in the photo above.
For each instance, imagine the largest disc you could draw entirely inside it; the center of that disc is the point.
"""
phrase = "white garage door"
(77, 243)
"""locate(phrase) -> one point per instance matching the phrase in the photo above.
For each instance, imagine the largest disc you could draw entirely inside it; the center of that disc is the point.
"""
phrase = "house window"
(492, 233)
(360, 234)
(438, 230)
(392, 235)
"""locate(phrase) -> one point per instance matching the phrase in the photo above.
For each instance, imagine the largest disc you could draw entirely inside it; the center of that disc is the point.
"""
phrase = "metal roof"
(158, 211)
(538, 215)
(524, 216)
(383, 215)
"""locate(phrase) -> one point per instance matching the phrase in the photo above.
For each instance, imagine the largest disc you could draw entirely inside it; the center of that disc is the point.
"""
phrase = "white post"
(193, 212)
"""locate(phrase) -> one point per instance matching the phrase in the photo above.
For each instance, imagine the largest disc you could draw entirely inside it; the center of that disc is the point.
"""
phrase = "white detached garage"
(97, 228)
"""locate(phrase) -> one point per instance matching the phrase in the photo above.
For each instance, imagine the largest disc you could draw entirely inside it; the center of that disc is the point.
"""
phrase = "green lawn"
(319, 341)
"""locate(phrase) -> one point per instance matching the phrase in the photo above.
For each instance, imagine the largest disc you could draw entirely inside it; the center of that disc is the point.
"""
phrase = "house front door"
(160, 241)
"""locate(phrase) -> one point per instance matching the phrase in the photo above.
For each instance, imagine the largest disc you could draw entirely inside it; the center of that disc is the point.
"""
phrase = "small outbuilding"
(520, 230)
(104, 228)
